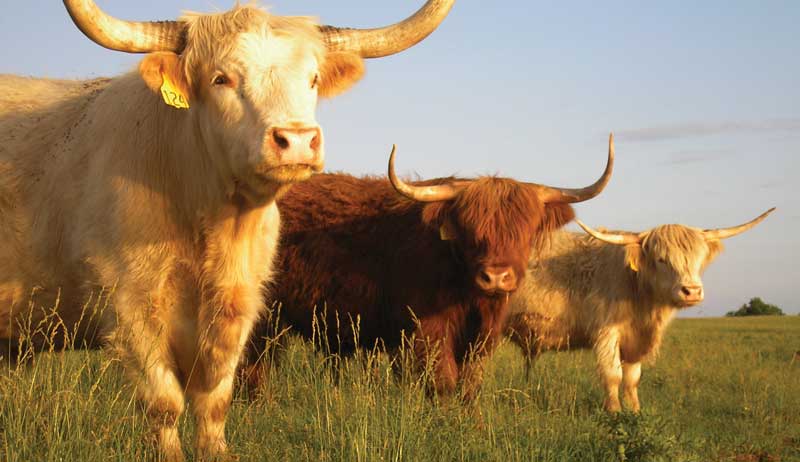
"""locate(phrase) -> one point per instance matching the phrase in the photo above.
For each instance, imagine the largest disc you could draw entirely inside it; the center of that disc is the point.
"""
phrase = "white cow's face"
(259, 104)
(254, 94)
(671, 261)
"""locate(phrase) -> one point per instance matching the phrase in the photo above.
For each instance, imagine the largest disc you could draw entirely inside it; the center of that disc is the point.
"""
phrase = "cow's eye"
(662, 260)
(221, 80)
(315, 81)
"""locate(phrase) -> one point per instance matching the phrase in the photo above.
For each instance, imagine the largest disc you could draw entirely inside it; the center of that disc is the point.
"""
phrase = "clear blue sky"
(703, 97)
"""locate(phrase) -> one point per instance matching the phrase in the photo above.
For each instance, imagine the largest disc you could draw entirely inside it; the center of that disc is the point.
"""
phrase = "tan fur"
(617, 300)
(155, 65)
(338, 73)
(170, 213)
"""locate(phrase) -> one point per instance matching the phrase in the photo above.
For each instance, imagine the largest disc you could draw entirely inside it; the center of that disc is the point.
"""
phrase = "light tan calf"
(158, 189)
(615, 293)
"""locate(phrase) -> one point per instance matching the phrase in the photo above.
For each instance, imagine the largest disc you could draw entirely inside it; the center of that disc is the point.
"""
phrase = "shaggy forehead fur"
(679, 245)
(500, 212)
(210, 35)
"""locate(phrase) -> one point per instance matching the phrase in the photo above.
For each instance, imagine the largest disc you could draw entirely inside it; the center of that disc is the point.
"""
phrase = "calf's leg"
(522, 335)
(609, 366)
(631, 374)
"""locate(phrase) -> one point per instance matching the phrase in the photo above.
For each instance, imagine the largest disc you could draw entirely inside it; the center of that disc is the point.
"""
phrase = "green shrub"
(756, 307)
(643, 438)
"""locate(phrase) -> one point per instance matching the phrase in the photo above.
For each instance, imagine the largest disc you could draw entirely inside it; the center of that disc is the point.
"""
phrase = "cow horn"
(432, 193)
(611, 238)
(569, 196)
(128, 36)
(385, 41)
(713, 234)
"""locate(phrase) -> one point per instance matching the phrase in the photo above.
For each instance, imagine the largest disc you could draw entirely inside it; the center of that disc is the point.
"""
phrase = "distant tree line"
(756, 307)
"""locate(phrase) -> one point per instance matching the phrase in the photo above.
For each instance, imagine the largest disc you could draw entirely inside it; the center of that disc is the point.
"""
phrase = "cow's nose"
(497, 279)
(692, 293)
(297, 145)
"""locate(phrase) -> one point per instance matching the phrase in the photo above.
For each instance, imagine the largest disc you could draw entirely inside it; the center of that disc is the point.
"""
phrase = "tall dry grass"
(722, 389)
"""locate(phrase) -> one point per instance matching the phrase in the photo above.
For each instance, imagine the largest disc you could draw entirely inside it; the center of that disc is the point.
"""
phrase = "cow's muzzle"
(689, 295)
(295, 152)
(296, 145)
(497, 279)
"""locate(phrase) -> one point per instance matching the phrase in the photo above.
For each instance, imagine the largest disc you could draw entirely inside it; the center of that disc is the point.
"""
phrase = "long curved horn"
(611, 238)
(128, 36)
(722, 233)
(385, 41)
(433, 193)
(569, 196)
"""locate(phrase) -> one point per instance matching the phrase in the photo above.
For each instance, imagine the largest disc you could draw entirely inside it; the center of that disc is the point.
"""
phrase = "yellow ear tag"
(445, 234)
(172, 96)
(632, 255)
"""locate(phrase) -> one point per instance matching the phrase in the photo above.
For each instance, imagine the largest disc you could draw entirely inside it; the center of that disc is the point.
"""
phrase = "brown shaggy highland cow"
(438, 260)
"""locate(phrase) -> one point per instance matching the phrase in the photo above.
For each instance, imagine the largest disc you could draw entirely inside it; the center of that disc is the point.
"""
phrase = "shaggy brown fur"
(368, 254)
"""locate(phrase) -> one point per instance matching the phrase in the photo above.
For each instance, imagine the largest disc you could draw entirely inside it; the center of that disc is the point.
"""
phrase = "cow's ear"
(339, 72)
(633, 257)
(436, 216)
(557, 215)
(714, 248)
(163, 73)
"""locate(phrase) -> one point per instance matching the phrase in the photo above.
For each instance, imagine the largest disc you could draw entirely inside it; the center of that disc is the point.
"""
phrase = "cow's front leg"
(631, 374)
(433, 350)
(223, 327)
(609, 366)
(473, 364)
(141, 341)
(472, 378)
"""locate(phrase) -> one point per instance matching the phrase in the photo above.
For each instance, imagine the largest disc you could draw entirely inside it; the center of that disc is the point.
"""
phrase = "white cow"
(615, 293)
(159, 188)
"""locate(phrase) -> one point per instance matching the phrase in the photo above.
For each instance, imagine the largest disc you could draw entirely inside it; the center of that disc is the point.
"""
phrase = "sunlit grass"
(722, 389)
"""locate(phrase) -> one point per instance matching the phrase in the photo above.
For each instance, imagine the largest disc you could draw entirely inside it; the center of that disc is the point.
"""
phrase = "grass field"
(722, 390)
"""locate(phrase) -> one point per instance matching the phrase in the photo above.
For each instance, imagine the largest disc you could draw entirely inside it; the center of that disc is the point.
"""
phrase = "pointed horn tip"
(765, 214)
(586, 228)
(388, 40)
(391, 160)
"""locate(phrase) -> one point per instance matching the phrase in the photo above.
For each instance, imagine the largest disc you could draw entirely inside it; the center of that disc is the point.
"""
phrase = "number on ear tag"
(172, 95)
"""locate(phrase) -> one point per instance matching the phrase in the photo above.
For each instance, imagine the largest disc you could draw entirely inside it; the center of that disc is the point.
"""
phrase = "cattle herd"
(160, 189)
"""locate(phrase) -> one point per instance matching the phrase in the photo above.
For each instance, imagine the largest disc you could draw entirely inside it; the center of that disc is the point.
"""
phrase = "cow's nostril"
(315, 142)
(685, 291)
(280, 140)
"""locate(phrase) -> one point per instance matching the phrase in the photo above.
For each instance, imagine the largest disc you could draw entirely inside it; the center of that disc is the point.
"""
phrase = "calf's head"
(493, 222)
(670, 259)
(250, 80)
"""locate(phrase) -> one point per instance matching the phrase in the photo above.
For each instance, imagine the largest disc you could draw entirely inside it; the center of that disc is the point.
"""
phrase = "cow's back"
(344, 241)
(571, 289)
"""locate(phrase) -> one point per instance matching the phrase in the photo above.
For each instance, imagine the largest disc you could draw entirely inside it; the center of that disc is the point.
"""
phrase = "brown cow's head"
(250, 80)
(494, 221)
(670, 259)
